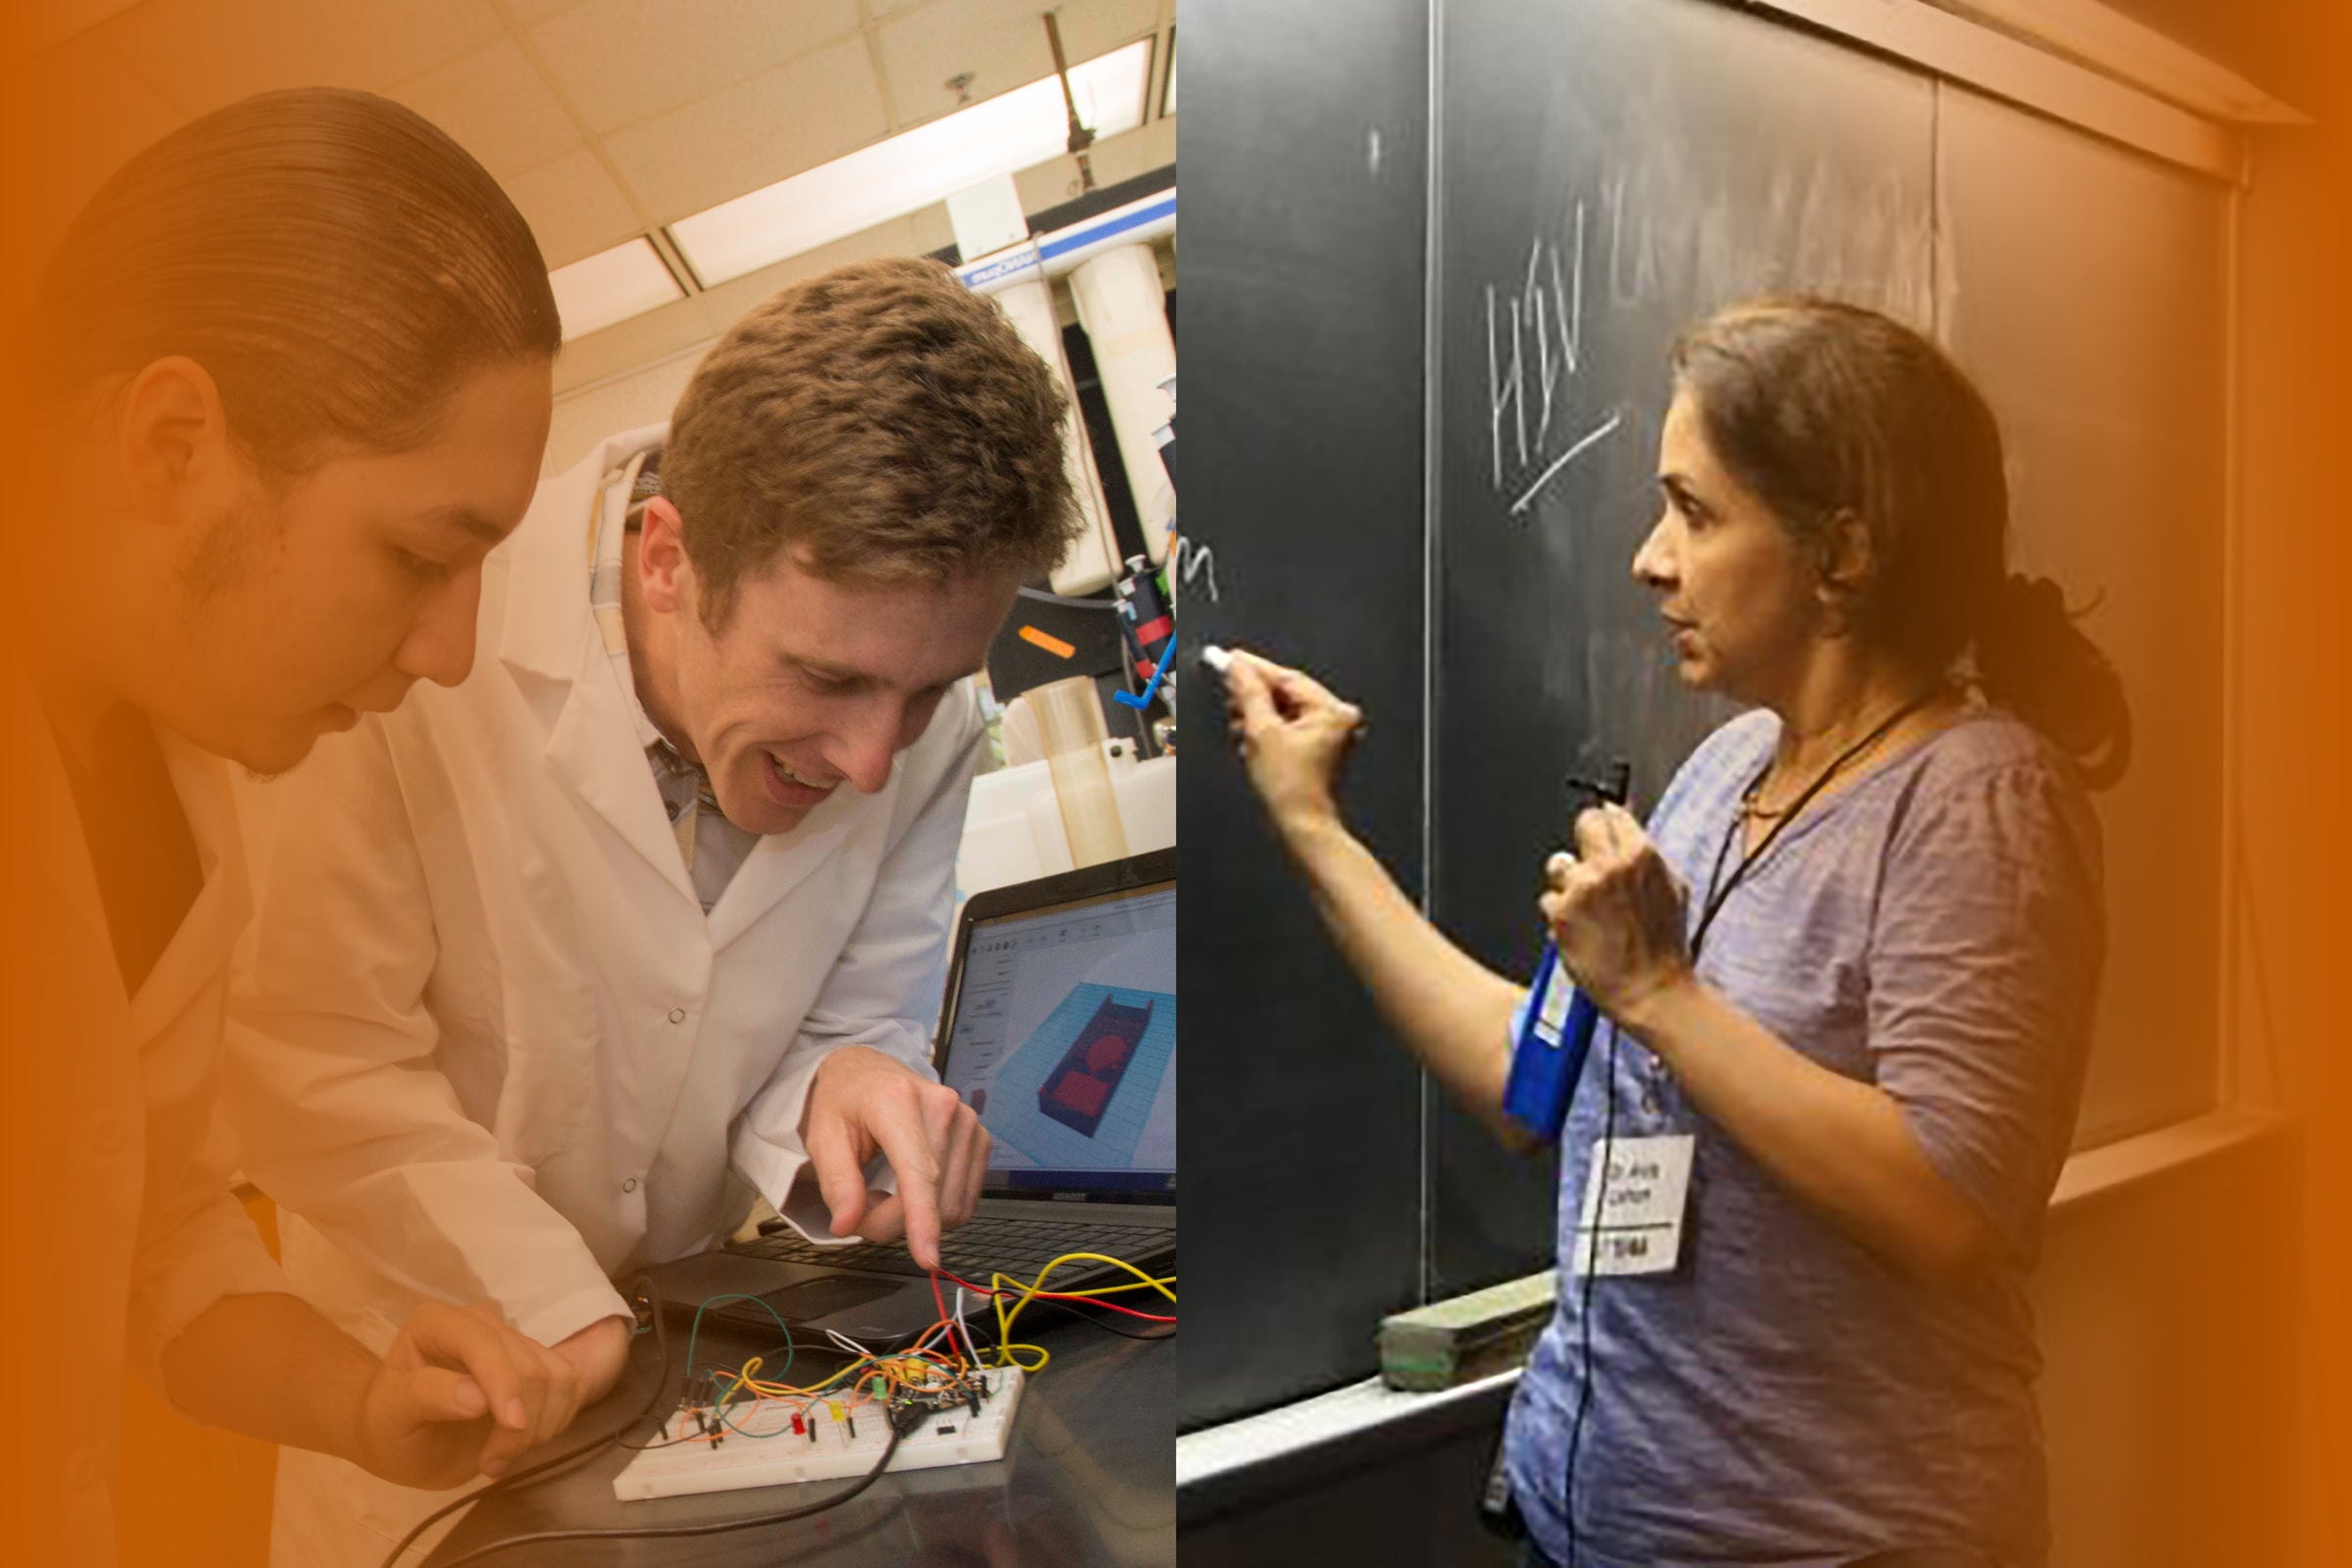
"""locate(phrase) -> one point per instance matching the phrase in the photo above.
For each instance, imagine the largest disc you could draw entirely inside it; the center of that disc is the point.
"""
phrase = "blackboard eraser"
(1447, 1344)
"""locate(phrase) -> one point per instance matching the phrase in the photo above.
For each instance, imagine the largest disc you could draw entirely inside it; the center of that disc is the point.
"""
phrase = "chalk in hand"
(1216, 658)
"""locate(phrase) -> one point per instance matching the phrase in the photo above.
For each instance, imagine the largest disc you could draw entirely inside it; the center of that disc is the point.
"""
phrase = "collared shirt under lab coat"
(489, 1045)
(121, 1228)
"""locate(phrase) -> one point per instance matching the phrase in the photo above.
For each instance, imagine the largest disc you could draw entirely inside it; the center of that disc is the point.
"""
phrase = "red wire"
(1056, 1295)
(940, 1299)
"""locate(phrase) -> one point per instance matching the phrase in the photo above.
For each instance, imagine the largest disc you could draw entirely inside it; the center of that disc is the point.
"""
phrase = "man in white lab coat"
(555, 968)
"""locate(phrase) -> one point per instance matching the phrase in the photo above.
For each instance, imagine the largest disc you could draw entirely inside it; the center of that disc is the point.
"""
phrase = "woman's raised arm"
(1452, 1011)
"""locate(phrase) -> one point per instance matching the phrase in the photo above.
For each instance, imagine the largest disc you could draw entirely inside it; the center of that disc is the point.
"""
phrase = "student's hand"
(461, 1394)
(1294, 737)
(1616, 910)
(596, 1355)
(864, 1103)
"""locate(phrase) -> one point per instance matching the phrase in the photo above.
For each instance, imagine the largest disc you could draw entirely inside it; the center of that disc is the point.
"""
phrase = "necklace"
(1721, 888)
(1751, 799)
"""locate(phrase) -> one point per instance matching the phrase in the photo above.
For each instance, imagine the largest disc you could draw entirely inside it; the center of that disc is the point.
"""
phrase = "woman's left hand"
(1616, 910)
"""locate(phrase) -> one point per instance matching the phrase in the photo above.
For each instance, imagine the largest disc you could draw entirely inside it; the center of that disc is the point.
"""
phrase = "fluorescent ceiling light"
(1011, 131)
(612, 286)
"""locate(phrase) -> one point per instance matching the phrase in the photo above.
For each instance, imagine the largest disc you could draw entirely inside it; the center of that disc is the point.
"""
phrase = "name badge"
(1632, 1220)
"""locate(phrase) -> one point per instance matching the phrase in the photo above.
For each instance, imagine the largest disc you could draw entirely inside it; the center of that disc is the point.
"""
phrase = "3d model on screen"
(1081, 1085)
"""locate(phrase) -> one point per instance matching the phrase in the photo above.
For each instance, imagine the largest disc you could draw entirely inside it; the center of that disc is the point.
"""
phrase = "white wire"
(964, 1327)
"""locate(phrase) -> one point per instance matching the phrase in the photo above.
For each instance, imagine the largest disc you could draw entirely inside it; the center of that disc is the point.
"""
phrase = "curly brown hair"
(880, 420)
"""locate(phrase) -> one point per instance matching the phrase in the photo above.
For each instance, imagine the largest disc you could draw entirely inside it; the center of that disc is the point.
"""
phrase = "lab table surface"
(1089, 1478)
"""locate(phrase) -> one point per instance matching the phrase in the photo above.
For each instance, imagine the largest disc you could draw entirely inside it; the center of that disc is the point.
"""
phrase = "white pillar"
(987, 218)
(1121, 307)
(1095, 558)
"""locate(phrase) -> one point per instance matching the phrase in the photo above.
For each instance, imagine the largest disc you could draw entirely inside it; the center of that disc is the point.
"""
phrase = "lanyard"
(1719, 890)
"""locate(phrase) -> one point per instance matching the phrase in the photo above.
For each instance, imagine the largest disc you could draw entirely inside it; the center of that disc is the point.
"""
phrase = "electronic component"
(776, 1442)
(1147, 621)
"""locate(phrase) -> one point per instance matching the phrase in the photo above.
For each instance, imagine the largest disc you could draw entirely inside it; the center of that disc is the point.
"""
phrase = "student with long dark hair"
(286, 382)
(1846, 975)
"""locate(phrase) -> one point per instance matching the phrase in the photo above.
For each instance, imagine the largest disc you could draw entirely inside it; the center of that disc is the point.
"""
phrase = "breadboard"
(767, 1452)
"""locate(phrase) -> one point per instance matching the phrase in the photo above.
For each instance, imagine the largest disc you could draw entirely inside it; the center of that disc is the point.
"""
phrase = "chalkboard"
(1600, 174)
(1610, 173)
(1300, 394)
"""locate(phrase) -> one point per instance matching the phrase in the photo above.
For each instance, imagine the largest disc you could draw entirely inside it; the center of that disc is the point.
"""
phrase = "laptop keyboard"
(1015, 1247)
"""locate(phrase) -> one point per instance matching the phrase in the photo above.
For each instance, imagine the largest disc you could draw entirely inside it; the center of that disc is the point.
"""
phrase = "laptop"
(1058, 1028)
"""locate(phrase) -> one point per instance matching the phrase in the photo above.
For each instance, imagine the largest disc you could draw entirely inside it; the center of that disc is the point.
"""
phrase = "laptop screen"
(1065, 1040)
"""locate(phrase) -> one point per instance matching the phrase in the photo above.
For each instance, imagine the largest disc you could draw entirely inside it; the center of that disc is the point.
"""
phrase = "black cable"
(1106, 1324)
(1584, 1303)
(1107, 1327)
(659, 1532)
(642, 1287)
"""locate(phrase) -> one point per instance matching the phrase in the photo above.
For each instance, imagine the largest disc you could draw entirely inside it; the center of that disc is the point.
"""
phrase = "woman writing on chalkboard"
(1846, 974)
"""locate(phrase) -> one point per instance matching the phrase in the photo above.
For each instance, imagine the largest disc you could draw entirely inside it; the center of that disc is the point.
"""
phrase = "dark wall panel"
(1300, 404)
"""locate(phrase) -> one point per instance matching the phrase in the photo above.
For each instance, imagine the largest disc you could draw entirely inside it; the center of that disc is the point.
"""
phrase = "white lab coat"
(489, 1045)
(120, 1227)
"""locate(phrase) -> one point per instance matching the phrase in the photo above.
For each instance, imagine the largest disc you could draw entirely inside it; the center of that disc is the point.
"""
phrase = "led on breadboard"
(767, 1452)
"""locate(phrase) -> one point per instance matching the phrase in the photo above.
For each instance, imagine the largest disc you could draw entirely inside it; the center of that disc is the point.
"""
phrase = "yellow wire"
(896, 1368)
(1113, 1290)
(1030, 1290)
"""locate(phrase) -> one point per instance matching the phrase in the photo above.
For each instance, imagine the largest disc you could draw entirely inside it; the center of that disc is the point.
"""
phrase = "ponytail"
(2033, 660)
(1823, 408)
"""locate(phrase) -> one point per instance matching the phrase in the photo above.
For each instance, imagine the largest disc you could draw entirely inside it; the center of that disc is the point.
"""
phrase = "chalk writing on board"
(1195, 568)
(1543, 321)
(1583, 444)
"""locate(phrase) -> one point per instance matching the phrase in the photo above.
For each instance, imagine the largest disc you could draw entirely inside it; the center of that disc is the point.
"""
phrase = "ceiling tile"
(527, 12)
(734, 299)
(206, 53)
(623, 61)
(31, 25)
(751, 134)
(573, 207)
(92, 115)
(633, 345)
(1144, 150)
(1001, 42)
(497, 106)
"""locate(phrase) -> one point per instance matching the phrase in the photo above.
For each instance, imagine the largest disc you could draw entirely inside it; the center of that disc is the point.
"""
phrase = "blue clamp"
(1158, 672)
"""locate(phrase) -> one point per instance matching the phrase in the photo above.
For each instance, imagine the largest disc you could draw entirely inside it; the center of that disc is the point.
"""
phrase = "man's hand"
(460, 1393)
(866, 1102)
